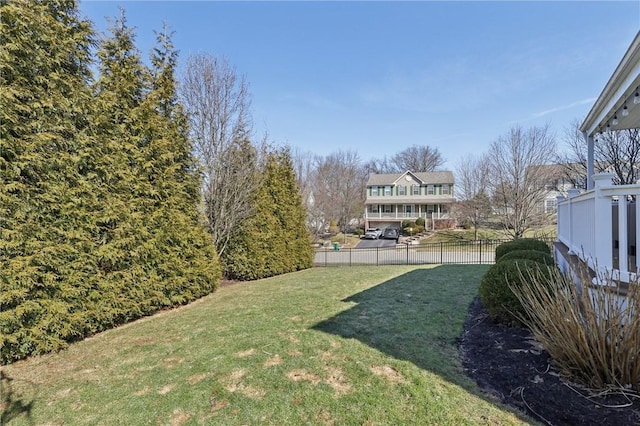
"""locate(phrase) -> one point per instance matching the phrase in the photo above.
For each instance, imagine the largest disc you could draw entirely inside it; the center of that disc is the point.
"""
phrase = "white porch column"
(603, 224)
(590, 169)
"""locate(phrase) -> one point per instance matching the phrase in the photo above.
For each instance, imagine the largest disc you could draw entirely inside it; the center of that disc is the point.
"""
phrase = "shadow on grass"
(417, 317)
(11, 405)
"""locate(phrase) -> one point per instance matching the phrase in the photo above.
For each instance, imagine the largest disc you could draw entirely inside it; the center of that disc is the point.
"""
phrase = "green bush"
(408, 224)
(420, 222)
(497, 296)
(522, 244)
(535, 255)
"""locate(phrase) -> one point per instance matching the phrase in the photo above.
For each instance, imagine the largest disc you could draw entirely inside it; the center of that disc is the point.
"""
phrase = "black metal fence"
(459, 252)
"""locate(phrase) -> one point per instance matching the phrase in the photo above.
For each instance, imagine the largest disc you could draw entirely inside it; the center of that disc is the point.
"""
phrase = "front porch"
(394, 215)
(600, 226)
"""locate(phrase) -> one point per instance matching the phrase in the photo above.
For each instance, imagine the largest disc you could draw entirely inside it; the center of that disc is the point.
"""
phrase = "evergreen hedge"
(275, 239)
(99, 199)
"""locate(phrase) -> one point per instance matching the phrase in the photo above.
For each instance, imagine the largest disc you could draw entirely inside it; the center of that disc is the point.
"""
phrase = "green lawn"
(458, 235)
(343, 346)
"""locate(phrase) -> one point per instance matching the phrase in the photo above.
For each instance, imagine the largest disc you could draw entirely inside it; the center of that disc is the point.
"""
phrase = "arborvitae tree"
(185, 259)
(46, 167)
(275, 239)
(122, 229)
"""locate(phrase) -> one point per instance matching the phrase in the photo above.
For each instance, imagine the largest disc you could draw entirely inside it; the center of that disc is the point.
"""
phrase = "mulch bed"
(509, 365)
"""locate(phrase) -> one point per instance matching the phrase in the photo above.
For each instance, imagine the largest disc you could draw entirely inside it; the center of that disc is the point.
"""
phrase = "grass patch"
(346, 346)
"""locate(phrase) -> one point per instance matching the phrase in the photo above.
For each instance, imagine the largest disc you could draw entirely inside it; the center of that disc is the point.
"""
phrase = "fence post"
(377, 256)
(441, 248)
(325, 257)
(350, 251)
(407, 254)
(480, 259)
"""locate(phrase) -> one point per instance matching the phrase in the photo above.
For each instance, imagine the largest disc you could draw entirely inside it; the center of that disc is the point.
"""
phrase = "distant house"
(394, 197)
(556, 183)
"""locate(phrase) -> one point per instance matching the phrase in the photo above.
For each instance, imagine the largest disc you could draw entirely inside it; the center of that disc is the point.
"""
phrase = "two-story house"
(394, 197)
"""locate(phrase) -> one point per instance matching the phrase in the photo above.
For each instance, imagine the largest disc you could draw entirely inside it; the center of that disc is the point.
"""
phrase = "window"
(430, 190)
(408, 208)
(387, 191)
(387, 208)
(374, 191)
(437, 189)
(402, 190)
(550, 206)
(446, 189)
(415, 189)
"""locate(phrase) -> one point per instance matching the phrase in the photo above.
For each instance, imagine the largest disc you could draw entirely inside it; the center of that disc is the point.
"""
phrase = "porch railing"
(401, 215)
(596, 226)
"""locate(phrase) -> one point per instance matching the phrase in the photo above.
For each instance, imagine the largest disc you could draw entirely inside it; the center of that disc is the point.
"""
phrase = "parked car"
(391, 234)
(372, 233)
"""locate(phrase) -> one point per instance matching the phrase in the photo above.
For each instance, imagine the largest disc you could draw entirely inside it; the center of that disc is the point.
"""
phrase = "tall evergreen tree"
(187, 263)
(122, 229)
(46, 166)
(275, 239)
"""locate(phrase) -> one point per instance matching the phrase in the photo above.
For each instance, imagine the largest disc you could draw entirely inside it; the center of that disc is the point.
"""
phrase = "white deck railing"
(586, 226)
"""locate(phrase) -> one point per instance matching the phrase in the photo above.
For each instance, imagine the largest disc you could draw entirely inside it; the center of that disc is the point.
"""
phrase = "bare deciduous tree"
(472, 190)
(518, 184)
(218, 101)
(617, 152)
(417, 158)
(304, 164)
(339, 182)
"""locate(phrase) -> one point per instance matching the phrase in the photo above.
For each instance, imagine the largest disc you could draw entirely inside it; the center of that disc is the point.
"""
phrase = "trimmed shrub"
(522, 244)
(420, 222)
(408, 224)
(535, 255)
(499, 284)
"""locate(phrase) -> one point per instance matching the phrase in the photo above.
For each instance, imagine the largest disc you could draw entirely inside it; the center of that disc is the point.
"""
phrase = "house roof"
(382, 179)
(550, 170)
(620, 90)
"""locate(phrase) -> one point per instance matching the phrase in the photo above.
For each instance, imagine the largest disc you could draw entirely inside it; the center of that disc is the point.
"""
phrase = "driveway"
(375, 243)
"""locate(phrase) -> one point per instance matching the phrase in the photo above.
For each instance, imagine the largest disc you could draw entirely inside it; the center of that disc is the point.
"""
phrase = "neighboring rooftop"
(423, 177)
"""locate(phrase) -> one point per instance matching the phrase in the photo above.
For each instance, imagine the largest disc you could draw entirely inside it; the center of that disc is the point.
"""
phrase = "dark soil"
(509, 365)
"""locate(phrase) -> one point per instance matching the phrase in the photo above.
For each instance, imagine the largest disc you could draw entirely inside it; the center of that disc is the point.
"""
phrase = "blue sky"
(377, 77)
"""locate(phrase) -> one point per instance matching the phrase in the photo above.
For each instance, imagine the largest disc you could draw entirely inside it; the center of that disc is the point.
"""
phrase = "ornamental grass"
(591, 332)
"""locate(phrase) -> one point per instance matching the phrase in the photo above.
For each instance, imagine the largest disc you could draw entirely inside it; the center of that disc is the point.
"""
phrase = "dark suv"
(391, 234)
